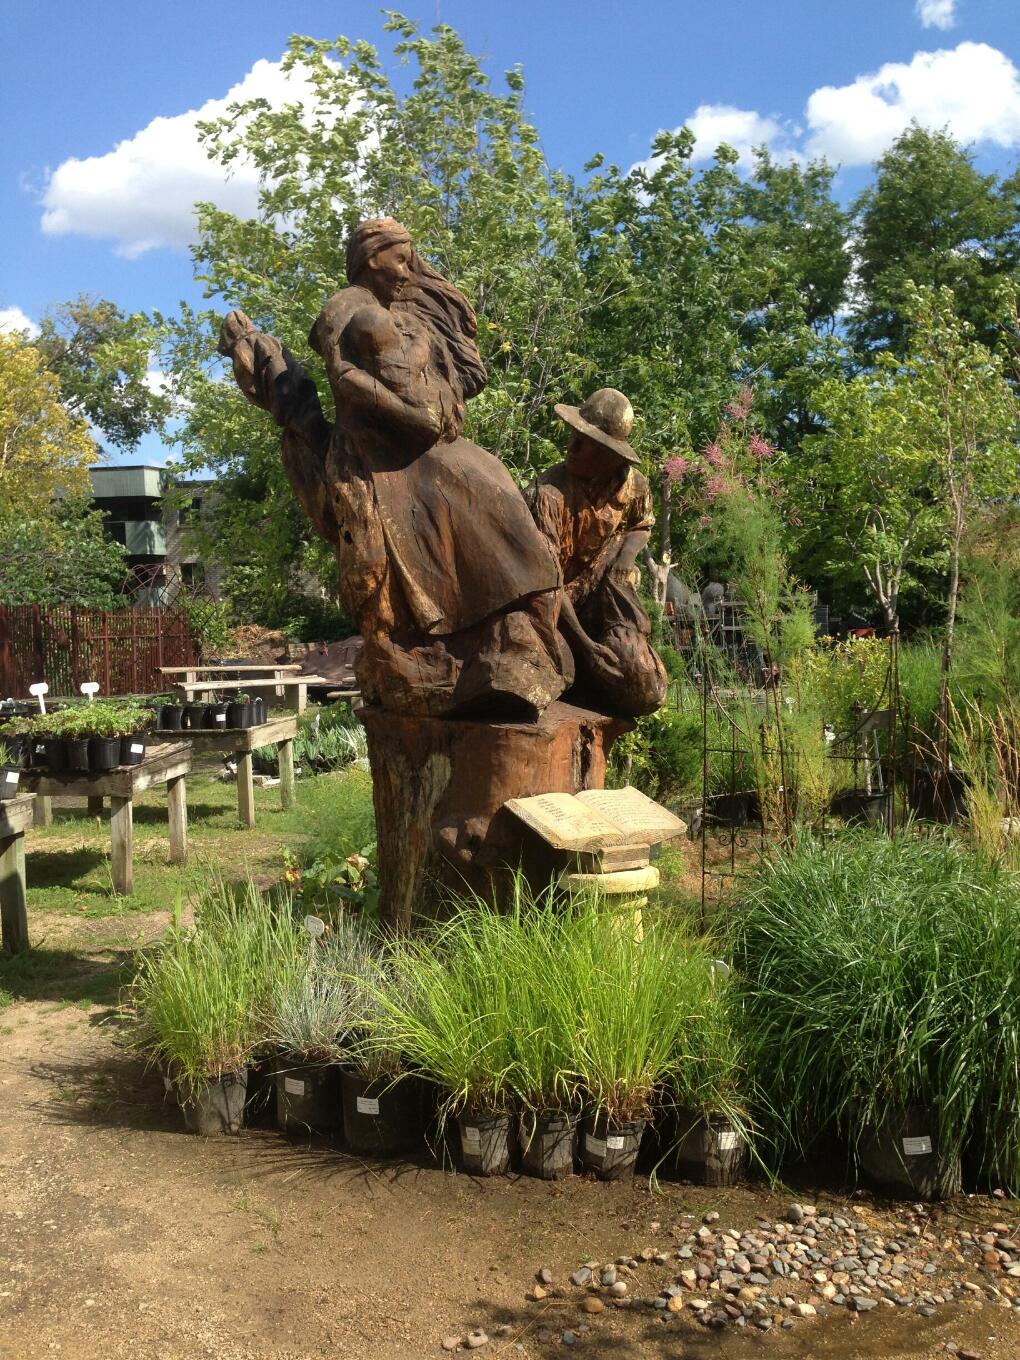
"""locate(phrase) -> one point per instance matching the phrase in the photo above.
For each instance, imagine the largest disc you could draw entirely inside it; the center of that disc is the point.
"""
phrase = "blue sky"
(98, 166)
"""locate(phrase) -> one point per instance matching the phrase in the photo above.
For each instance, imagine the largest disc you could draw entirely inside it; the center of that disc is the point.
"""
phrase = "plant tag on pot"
(221, 717)
(294, 1086)
(615, 1143)
(595, 1146)
(367, 1104)
(137, 749)
(472, 1137)
(728, 1140)
(916, 1147)
(12, 777)
(315, 926)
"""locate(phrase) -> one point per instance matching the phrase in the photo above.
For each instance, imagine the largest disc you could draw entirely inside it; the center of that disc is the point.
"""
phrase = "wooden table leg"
(13, 907)
(245, 790)
(42, 812)
(177, 802)
(286, 753)
(95, 806)
(122, 836)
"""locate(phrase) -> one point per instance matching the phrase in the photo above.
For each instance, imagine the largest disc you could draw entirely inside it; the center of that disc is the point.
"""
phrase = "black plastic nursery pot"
(710, 1149)
(869, 809)
(215, 719)
(902, 1156)
(609, 1147)
(170, 717)
(104, 753)
(56, 753)
(548, 1144)
(728, 809)
(485, 1143)
(217, 1107)
(260, 1097)
(36, 756)
(193, 715)
(77, 753)
(307, 1096)
(381, 1119)
(132, 749)
(240, 715)
(258, 710)
(10, 782)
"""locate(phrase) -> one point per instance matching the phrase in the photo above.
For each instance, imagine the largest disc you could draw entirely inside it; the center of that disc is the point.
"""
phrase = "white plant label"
(90, 688)
(728, 1140)
(137, 749)
(12, 777)
(916, 1147)
(221, 717)
(472, 1136)
(294, 1086)
(596, 1146)
(315, 926)
(367, 1104)
(615, 1143)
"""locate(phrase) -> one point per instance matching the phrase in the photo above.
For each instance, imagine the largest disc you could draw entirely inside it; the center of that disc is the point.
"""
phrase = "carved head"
(380, 257)
(601, 425)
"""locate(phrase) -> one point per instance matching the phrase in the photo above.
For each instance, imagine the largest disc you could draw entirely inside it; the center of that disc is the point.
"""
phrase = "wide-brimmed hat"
(607, 417)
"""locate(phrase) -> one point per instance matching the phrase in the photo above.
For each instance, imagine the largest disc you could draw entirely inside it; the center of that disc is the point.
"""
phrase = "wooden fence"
(122, 649)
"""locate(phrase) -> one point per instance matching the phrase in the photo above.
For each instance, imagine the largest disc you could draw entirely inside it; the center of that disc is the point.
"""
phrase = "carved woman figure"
(448, 579)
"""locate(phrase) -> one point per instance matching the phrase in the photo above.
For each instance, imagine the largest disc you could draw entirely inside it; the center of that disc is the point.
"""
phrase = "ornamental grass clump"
(880, 975)
(200, 993)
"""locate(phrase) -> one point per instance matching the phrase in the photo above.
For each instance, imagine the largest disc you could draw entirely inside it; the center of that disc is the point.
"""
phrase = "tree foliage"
(61, 557)
(44, 450)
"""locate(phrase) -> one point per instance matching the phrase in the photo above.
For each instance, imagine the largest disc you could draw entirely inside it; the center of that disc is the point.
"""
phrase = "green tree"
(931, 219)
(44, 450)
(103, 359)
(60, 557)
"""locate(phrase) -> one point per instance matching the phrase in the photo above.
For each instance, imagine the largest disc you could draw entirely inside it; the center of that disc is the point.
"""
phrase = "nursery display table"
(242, 741)
(200, 681)
(167, 764)
(15, 817)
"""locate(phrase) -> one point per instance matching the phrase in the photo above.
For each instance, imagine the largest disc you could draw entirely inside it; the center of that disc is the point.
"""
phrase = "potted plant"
(170, 715)
(313, 1011)
(10, 771)
(450, 1010)
(130, 722)
(215, 718)
(636, 1006)
(193, 715)
(73, 724)
(871, 1008)
(104, 743)
(240, 712)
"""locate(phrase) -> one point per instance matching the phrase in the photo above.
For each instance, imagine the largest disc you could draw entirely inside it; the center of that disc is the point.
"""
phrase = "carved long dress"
(451, 584)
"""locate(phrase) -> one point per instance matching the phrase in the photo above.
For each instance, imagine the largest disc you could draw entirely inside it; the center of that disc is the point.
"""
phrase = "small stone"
(538, 1293)
(451, 1343)
(592, 1305)
(968, 1355)
(545, 1276)
(569, 1338)
(805, 1310)
(675, 1304)
(862, 1304)
(647, 1253)
(711, 1217)
(764, 1322)
(654, 1227)
(618, 1289)
(581, 1276)
(476, 1339)
(698, 1304)
(795, 1213)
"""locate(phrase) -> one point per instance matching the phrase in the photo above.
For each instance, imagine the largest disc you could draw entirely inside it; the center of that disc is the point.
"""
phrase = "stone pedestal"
(440, 785)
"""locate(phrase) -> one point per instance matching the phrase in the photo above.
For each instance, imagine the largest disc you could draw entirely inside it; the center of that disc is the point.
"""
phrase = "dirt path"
(122, 1237)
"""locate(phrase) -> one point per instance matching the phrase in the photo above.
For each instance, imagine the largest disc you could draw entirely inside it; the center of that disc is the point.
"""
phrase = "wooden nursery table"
(241, 742)
(201, 681)
(15, 817)
(168, 763)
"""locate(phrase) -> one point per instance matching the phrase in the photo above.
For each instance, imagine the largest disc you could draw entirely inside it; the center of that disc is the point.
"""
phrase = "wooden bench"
(168, 764)
(294, 688)
(15, 818)
(242, 741)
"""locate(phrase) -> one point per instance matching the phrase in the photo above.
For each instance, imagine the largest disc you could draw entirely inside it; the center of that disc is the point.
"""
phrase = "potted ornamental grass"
(880, 991)
(451, 1011)
(315, 1008)
(637, 1001)
(200, 996)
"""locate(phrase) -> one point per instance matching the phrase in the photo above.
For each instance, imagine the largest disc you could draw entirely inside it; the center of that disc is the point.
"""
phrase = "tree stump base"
(439, 786)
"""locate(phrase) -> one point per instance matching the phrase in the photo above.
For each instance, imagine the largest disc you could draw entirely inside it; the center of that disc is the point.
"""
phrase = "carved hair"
(430, 298)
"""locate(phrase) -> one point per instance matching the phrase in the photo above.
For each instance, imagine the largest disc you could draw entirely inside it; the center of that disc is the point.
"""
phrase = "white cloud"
(972, 90)
(14, 319)
(936, 13)
(142, 193)
(743, 129)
